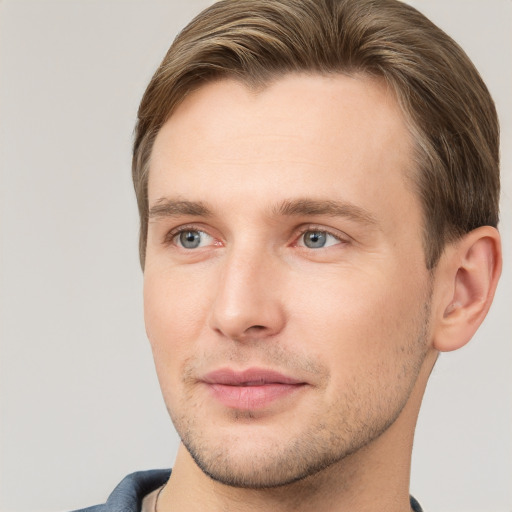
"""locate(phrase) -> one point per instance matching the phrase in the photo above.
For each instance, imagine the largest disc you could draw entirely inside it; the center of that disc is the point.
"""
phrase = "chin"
(261, 471)
(260, 460)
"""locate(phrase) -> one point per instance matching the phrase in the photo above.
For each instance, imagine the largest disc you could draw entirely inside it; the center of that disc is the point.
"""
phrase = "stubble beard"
(327, 440)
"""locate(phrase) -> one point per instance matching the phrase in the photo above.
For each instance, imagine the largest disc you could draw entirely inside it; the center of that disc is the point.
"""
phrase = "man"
(318, 188)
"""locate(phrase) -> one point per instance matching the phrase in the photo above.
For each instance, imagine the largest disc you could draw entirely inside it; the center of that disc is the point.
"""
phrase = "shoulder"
(129, 493)
(415, 506)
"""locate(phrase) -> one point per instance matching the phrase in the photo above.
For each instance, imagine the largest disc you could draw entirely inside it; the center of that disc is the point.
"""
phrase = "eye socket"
(317, 239)
(192, 239)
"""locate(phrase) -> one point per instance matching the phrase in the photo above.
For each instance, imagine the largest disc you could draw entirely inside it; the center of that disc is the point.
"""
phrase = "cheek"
(360, 320)
(175, 311)
(370, 339)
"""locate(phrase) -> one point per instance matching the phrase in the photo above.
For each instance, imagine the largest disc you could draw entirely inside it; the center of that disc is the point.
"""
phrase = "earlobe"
(472, 267)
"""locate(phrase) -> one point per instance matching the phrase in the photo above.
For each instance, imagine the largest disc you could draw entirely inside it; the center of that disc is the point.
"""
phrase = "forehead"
(302, 135)
(312, 104)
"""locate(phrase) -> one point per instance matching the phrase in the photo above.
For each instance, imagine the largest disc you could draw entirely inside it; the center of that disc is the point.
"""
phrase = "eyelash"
(171, 235)
(174, 233)
(318, 229)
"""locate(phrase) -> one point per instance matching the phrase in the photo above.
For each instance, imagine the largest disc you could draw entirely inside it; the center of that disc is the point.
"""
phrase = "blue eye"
(192, 239)
(318, 239)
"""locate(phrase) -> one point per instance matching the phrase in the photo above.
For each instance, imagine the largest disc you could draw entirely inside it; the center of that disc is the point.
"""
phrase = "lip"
(250, 389)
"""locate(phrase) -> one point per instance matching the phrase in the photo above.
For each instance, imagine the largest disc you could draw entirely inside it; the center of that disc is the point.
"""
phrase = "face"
(286, 294)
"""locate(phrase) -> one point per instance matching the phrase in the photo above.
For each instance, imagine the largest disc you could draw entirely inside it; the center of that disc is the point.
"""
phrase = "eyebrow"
(174, 208)
(310, 207)
(165, 207)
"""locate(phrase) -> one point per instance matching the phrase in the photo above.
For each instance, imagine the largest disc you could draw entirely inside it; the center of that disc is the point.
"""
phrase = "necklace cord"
(155, 508)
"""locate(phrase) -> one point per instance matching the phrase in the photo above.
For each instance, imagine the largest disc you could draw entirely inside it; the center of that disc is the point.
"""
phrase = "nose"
(247, 305)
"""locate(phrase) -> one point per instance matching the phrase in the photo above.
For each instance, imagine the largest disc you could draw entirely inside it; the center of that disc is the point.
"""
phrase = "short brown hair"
(449, 110)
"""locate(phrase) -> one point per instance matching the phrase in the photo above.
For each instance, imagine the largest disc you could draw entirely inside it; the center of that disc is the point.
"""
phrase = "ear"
(468, 275)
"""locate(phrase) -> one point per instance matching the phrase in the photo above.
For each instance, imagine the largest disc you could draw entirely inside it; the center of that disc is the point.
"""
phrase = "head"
(309, 175)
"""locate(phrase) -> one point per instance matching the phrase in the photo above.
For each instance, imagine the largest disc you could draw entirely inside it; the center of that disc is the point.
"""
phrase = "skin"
(359, 321)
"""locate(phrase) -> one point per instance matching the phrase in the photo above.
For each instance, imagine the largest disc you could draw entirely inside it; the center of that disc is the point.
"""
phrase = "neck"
(375, 478)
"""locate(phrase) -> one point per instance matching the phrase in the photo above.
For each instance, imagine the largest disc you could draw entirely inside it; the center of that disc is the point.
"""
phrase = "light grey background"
(80, 404)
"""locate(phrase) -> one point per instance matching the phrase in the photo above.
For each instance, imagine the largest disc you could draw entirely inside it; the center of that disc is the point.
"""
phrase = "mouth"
(251, 389)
